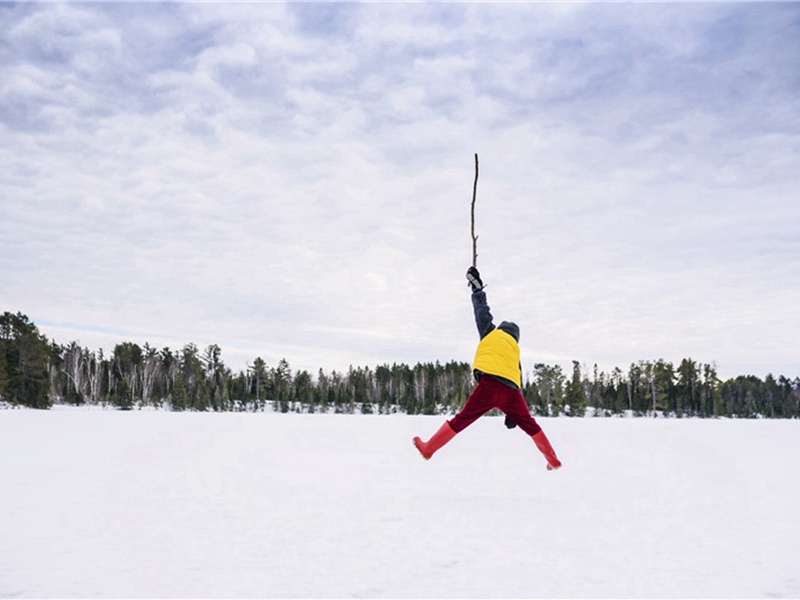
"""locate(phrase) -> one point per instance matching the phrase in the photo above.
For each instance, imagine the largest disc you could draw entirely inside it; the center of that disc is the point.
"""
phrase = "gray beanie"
(510, 328)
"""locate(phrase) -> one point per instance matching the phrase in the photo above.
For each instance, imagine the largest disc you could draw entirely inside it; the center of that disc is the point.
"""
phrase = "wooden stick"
(474, 237)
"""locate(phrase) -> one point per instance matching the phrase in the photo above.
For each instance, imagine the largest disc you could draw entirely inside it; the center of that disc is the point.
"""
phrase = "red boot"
(439, 439)
(543, 444)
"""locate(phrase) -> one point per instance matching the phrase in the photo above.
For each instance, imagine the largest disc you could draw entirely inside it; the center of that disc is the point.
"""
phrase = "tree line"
(38, 373)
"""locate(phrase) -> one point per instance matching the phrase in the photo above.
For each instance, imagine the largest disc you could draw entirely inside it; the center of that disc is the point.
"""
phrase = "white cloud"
(254, 176)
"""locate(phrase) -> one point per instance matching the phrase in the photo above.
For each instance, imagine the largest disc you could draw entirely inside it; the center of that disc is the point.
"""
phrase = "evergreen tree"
(658, 379)
(687, 388)
(621, 399)
(711, 399)
(214, 371)
(238, 393)
(123, 396)
(194, 378)
(169, 366)
(635, 389)
(429, 398)
(575, 396)
(27, 354)
(282, 385)
(180, 399)
(549, 381)
(321, 391)
(126, 370)
(3, 371)
(258, 377)
(304, 390)
(383, 382)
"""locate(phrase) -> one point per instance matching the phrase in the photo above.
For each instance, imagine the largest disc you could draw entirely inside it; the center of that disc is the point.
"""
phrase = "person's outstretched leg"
(514, 406)
(439, 439)
(477, 405)
(543, 444)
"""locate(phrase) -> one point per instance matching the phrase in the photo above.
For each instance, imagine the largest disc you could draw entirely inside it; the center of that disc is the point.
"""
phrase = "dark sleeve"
(483, 316)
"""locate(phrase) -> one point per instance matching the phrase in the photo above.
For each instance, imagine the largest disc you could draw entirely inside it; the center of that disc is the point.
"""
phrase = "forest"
(38, 373)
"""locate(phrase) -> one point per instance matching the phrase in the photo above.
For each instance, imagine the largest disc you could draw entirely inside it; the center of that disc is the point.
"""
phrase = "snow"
(150, 504)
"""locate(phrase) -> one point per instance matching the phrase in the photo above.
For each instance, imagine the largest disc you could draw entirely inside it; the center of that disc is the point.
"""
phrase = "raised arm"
(483, 315)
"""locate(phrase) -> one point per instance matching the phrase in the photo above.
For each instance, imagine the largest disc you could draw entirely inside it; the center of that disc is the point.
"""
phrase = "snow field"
(107, 504)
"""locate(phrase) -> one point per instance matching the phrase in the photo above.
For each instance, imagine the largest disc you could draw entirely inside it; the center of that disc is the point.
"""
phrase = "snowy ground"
(104, 504)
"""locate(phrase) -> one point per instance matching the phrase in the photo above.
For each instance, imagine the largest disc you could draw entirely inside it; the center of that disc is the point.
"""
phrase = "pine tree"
(687, 388)
(303, 390)
(122, 397)
(575, 396)
(27, 354)
(282, 385)
(194, 378)
(180, 399)
(214, 370)
(550, 383)
(3, 371)
(258, 376)
(127, 364)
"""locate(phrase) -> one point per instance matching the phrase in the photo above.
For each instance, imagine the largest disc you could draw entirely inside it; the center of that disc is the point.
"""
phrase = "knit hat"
(510, 328)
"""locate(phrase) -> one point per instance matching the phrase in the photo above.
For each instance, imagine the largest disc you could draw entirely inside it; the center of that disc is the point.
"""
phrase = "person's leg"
(477, 405)
(543, 444)
(443, 435)
(480, 401)
(514, 406)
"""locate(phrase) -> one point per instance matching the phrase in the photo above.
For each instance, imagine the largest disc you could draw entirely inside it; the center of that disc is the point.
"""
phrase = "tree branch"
(474, 237)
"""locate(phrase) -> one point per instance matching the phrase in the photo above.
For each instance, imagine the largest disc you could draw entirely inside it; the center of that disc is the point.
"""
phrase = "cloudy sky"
(294, 180)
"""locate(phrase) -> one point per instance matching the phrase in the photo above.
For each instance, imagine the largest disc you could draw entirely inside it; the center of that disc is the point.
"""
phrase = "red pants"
(491, 393)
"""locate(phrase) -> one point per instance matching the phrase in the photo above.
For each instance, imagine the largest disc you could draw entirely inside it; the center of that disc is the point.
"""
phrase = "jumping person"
(498, 371)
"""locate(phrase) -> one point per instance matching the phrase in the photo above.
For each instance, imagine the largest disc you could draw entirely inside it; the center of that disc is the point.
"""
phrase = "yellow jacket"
(498, 354)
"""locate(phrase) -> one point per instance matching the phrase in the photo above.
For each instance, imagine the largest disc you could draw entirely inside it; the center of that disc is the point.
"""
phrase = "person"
(498, 373)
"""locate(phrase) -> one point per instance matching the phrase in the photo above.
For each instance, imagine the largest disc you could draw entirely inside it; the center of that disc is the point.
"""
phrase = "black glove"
(474, 279)
(509, 423)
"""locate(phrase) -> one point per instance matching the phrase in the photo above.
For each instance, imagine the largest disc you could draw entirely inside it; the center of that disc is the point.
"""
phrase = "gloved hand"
(474, 279)
(509, 423)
